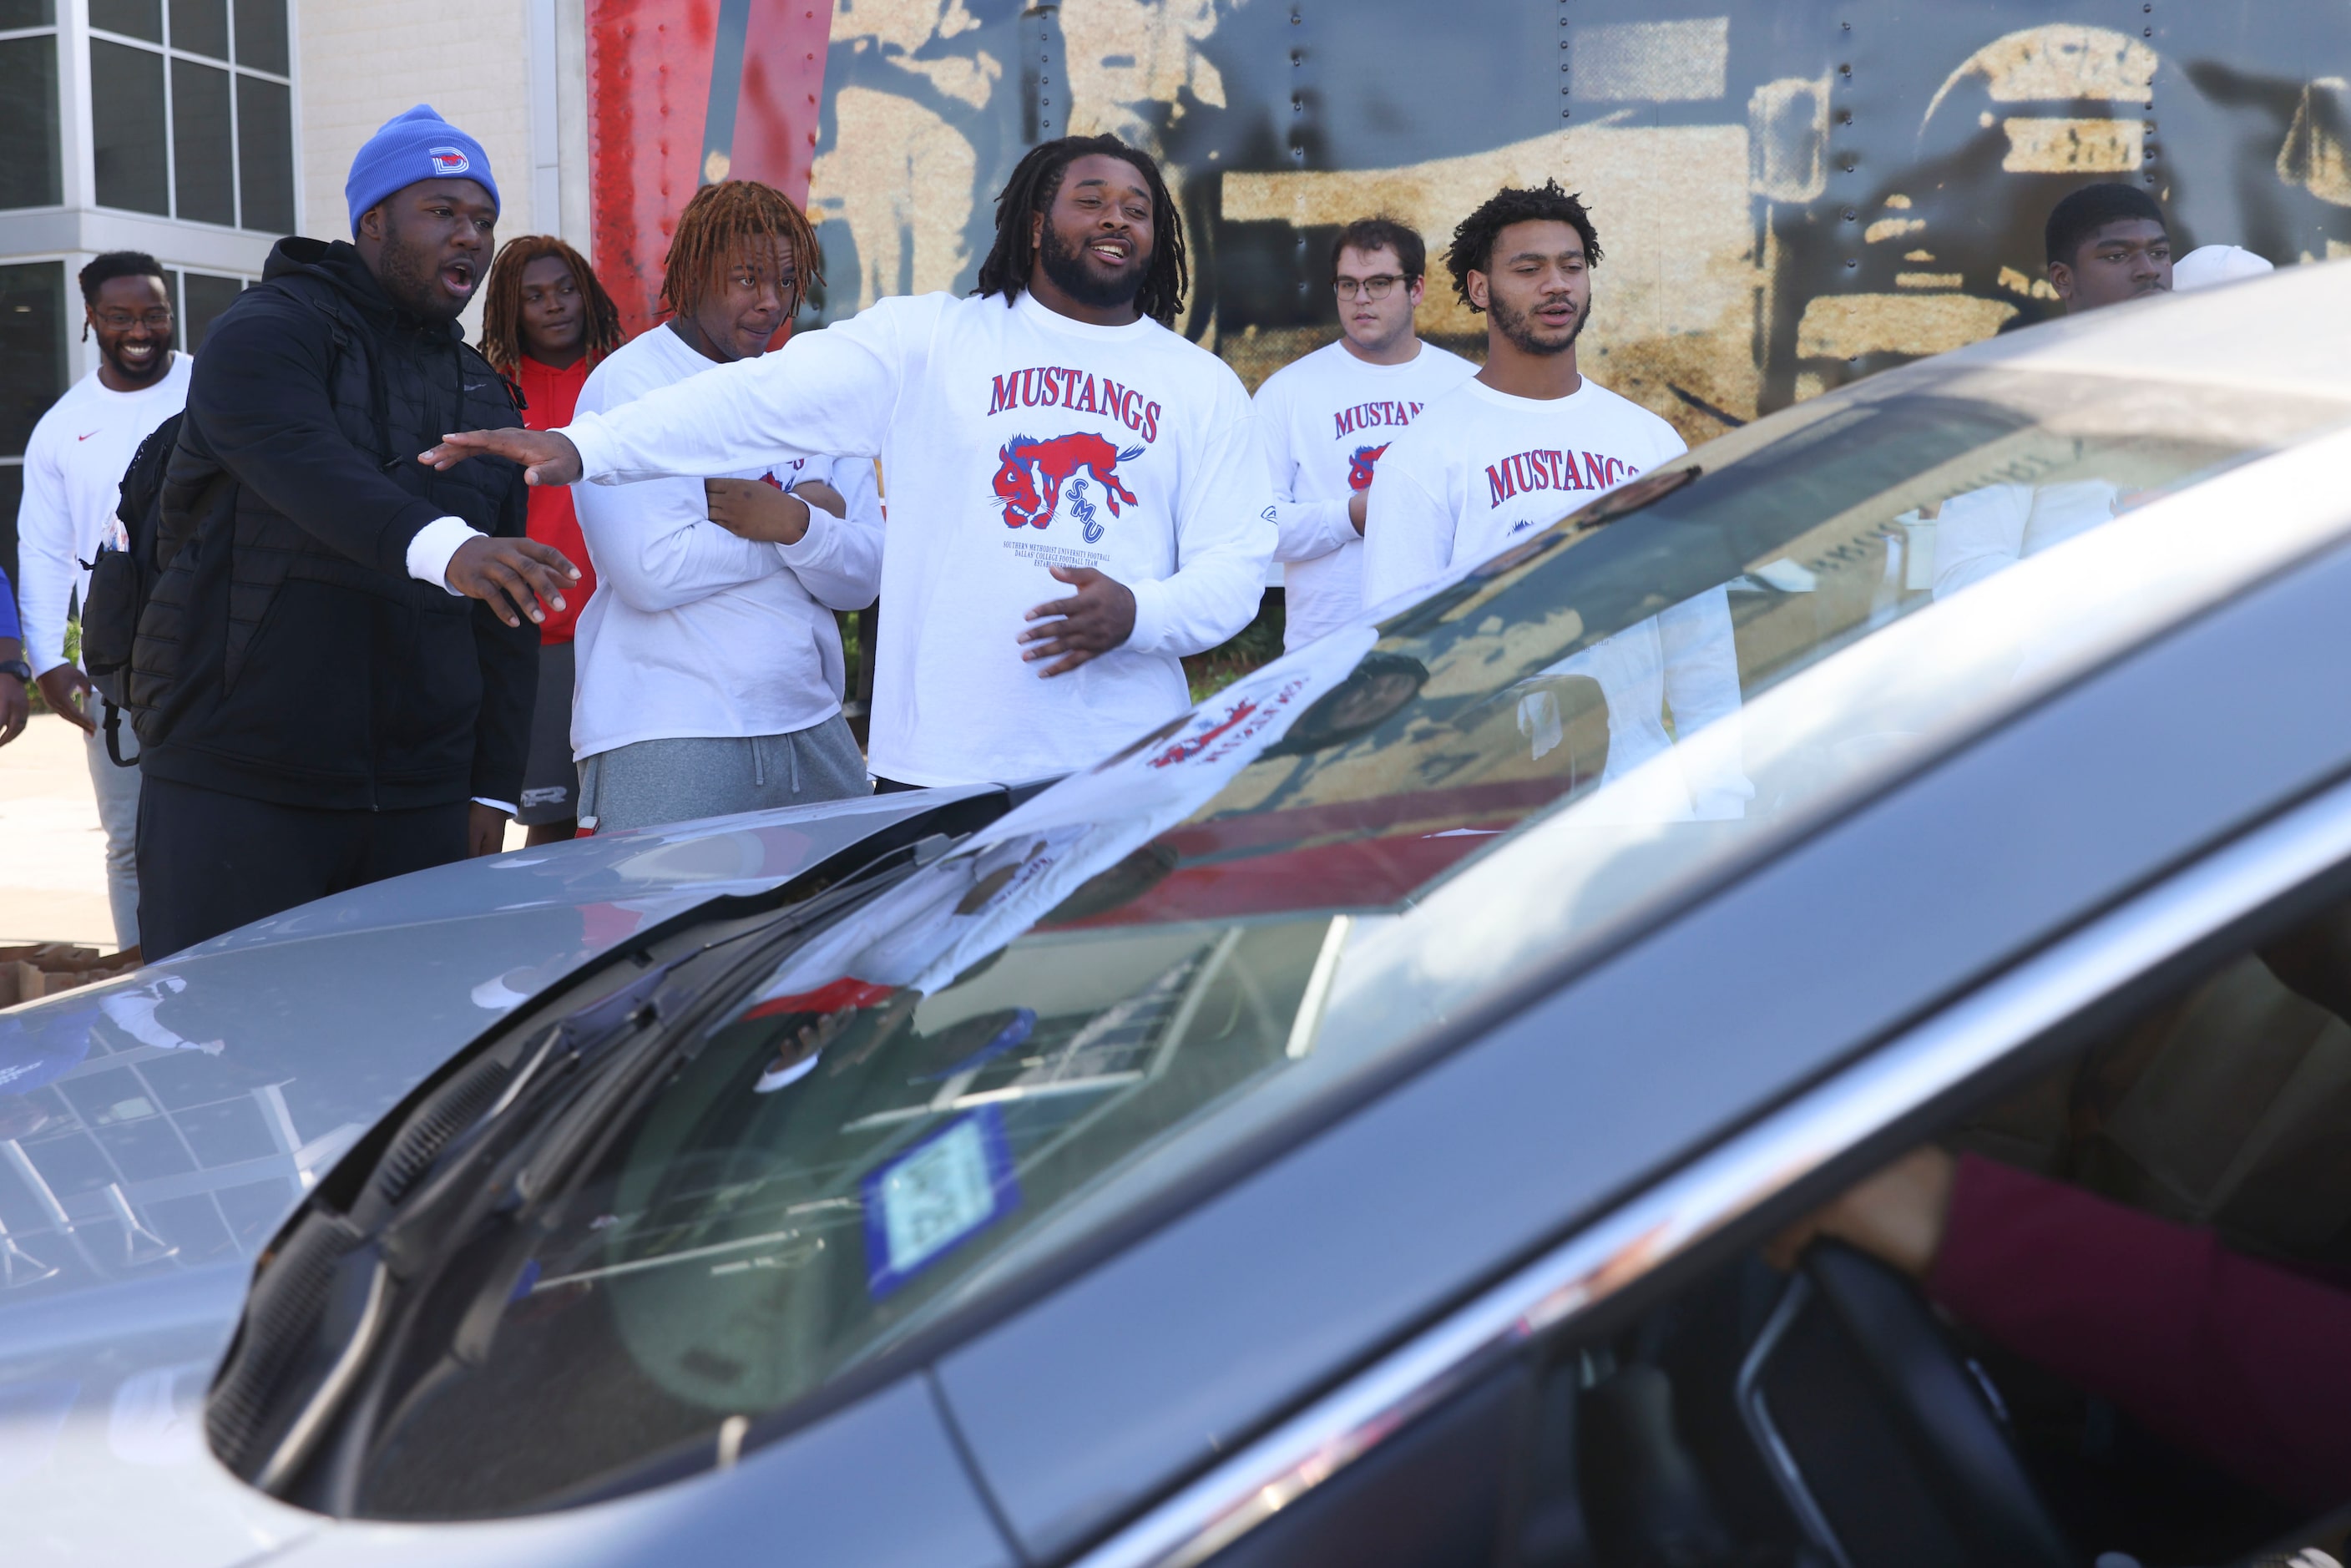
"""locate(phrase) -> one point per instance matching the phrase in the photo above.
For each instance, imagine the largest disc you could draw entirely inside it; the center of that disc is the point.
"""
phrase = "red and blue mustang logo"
(1359, 466)
(1028, 482)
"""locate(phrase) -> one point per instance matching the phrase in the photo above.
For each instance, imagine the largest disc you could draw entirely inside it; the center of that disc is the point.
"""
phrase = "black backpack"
(122, 579)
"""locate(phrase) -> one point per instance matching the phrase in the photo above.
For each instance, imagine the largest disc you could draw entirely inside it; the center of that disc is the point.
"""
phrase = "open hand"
(16, 704)
(513, 577)
(70, 694)
(754, 509)
(547, 456)
(1896, 1215)
(1090, 622)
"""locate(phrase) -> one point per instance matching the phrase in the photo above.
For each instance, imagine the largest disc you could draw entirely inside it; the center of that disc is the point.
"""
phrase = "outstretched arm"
(830, 392)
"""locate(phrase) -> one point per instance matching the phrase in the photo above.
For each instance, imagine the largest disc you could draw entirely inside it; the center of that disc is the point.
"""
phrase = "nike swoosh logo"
(85, 437)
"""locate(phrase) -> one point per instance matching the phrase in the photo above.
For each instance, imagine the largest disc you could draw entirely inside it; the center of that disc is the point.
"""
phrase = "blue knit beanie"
(417, 145)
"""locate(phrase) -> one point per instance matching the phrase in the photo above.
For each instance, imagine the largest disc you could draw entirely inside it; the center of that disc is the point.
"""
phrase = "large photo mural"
(1791, 194)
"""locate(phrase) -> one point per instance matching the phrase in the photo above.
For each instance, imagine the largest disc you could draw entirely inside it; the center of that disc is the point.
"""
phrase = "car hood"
(156, 1131)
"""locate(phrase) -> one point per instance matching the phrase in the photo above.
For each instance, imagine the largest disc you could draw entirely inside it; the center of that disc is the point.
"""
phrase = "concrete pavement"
(52, 851)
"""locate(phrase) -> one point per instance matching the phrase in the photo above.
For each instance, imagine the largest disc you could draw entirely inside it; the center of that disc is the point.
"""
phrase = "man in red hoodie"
(546, 322)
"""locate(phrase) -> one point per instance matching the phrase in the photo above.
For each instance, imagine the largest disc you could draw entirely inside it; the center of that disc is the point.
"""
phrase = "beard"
(1066, 266)
(411, 277)
(1516, 325)
(136, 373)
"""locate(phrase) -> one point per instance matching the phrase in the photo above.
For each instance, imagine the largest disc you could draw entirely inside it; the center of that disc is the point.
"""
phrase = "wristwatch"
(18, 668)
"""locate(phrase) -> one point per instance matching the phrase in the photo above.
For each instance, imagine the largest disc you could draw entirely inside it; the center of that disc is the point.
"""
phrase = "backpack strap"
(114, 736)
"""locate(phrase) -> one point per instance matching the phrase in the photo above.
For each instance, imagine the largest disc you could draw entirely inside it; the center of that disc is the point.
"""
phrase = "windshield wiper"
(454, 1192)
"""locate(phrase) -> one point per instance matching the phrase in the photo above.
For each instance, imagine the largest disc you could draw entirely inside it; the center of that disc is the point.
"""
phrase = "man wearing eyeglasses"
(1330, 417)
(73, 472)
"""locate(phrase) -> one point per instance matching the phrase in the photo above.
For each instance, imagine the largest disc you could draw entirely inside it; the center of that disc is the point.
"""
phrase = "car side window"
(2099, 1313)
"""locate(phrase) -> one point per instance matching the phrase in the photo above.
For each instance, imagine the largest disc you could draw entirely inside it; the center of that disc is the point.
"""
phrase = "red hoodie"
(551, 395)
(2235, 1359)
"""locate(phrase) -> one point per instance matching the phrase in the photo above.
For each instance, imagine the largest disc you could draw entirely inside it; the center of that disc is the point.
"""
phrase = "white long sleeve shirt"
(1328, 417)
(1013, 440)
(695, 632)
(1480, 468)
(73, 483)
(1984, 532)
(1683, 660)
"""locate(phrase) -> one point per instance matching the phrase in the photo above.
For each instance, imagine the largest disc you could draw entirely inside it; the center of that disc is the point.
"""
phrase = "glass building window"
(192, 111)
(32, 376)
(32, 348)
(197, 300)
(30, 175)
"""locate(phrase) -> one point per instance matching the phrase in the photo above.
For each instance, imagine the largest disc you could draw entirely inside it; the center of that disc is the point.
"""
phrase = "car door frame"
(1047, 1404)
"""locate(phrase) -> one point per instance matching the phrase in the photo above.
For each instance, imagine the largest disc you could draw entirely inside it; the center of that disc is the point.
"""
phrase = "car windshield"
(1036, 1033)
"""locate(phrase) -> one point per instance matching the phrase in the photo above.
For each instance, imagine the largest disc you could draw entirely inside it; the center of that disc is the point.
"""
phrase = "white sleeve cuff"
(810, 549)
(584, 433)
(436, 542)
(1150, 616)
(496, 805)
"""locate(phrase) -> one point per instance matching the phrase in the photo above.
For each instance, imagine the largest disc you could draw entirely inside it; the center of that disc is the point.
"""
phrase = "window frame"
(85, 34)
(1799, 1154)
(68, 107)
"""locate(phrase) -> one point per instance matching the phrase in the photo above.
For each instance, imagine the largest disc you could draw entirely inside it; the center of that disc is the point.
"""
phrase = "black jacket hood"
(286, 654)
(338, 263)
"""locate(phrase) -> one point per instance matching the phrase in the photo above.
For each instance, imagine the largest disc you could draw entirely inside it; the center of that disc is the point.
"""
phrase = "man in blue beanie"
(333, 678)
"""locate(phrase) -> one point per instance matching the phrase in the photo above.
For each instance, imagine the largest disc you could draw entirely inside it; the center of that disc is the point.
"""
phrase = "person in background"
(2210, 264)
(546, 323)
(1521, 445)
(1051, 425)
(73, 478)
(710, 664)
(2107, 244)
(1330, 416)
(320, 705)
(16, 675)
(2233, 1358)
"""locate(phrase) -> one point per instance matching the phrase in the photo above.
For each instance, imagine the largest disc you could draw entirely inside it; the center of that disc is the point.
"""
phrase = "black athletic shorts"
(550, 781)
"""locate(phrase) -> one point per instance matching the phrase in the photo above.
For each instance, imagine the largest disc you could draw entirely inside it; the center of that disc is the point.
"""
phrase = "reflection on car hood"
(156, 1130)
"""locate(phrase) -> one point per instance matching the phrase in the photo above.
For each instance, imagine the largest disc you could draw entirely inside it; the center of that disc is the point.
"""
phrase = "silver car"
(1408, 1110)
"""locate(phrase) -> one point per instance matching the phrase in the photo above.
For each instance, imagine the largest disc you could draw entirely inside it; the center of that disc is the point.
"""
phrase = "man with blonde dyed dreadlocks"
(1051, 429)
(710, 666)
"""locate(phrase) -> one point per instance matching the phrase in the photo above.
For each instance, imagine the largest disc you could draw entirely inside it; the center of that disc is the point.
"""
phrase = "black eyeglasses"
(1378, 287)
(157, 320)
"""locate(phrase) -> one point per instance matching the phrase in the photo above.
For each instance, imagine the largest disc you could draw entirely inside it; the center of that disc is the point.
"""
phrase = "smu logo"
(1185, 750)
(1029, 481)
(1359, 466)
(448, 160)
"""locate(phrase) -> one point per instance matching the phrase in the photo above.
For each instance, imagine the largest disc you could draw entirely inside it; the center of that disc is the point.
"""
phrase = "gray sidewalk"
(52, 851)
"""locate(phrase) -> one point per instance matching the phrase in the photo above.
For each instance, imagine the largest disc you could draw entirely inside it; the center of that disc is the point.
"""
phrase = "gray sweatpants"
(118, 812)
(656, 781)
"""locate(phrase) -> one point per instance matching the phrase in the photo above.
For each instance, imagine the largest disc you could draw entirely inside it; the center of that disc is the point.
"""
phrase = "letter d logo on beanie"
(413, 147)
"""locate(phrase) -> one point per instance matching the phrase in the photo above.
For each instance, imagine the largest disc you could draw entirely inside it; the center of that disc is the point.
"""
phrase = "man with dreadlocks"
(1521, 445)
(1049, 429)
(710, 666)
(546, 323)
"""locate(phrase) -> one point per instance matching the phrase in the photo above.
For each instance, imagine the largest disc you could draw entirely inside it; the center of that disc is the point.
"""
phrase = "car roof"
(2289, 331)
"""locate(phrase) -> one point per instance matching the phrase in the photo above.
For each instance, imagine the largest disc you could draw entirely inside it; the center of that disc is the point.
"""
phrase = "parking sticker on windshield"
(936, 1197)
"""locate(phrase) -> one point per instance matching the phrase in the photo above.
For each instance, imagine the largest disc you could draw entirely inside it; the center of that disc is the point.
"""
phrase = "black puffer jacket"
(285, 655)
